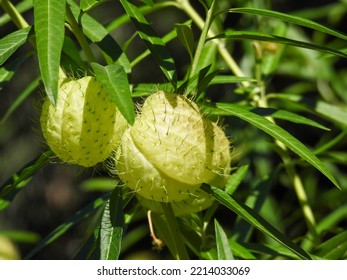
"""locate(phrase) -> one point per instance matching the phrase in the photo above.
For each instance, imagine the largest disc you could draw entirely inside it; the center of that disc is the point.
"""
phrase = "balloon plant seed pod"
(85, 126)
(172, 149)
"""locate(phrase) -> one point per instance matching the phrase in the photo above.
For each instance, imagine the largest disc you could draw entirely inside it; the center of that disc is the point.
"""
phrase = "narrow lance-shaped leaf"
(240, 35)
(111, 230)
(9, 69)
(254, 219)
(10, 43)
(277, 132)
(154, 43)
(115, 81)
(49, 18)
(89, 4)
(223, 247)
(20, 179)
(185, 35)
(98, 34)
(291, 19)
(329, 111)
(61, 229)
(19, 100)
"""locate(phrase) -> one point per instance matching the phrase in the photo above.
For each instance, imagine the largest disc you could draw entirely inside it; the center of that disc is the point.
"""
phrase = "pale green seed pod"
(172, 149)
(85, 126)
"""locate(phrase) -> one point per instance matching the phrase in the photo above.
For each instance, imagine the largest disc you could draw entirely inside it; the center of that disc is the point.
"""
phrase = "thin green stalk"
(302, 197)
(76, 30)
(299, 189)
(185, 6)
(15, 16)
(202, 39)
(181, 252)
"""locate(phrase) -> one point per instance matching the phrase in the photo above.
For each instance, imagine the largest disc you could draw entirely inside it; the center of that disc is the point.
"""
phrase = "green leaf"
(235, 179)
(185, 35)
(61, 229)
(20, 179)
(332, 219)
(228, 79)
(271, 59)
(223, 248)
(20, 236)
(270, 249)
(115, 81)
(334, 248)
(254, 219)
(19, 100)
(10, 43)
(100, 184)
(9, 69)
(148, 2)
(49, 18)
(90, 248)
(89, 4)
(208, 55)
(71, 58)
(98, 34)
(91, 27)
(288, 116)
(239, 250)
(257, 195)
(334, 113)
(291, 19)
(111, 230)
(198, 82)
(278, 133)
(240, 35)
(154, 43)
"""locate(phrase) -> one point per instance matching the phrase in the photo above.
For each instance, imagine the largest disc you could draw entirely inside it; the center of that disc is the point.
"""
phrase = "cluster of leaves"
(284, 192)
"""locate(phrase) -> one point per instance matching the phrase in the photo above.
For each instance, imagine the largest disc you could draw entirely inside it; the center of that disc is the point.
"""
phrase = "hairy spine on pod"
(85, 126)
(171, 150)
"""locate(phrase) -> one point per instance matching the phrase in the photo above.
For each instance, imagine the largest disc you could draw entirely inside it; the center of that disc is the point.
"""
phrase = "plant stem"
(202, 39)
(261, 101)
(15, 16)
(191, 12)
(76, 30)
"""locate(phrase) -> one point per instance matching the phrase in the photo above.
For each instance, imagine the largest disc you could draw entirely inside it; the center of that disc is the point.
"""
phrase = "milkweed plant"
(173, 129)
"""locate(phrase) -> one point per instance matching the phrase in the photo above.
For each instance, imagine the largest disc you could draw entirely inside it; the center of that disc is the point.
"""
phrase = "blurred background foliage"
(58, 190)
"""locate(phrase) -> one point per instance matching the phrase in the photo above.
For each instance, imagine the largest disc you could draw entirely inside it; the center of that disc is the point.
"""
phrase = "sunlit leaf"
(277, 132)
(49, 17)
(251, 35)
(291, 19)
(223, 248)
(115, 81)
(68, 224)
(11, 42)
(254, 219)
(111, 230)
